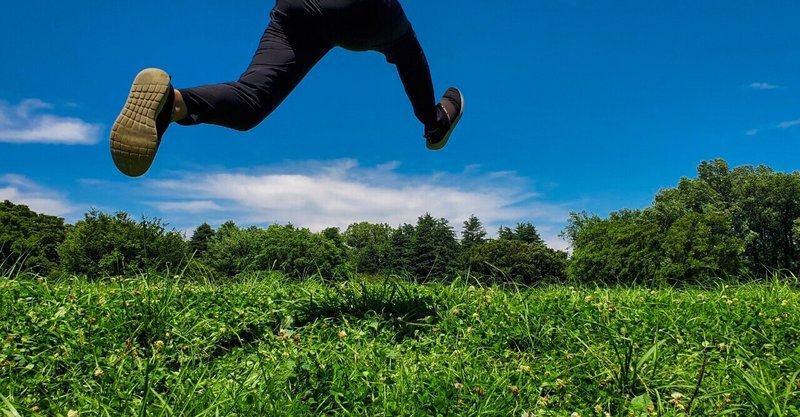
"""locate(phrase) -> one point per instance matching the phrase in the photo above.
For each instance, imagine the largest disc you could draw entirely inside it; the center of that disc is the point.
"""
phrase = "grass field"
(270, 346)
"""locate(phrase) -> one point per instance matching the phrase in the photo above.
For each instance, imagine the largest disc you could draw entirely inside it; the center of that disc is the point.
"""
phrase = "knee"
(247, 123)
(405, 49)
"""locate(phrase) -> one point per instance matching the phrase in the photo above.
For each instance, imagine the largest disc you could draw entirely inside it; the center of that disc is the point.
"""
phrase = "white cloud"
(763, 86)
(188, 206)
(751, 132)
(25, 123)
(788, 124)
(21, 190)
(322, 194)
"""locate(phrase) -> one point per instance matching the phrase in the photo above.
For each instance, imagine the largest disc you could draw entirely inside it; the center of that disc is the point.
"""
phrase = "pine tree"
(504, 233)
(435, 247)
(473, 233)
(525, 232)
(198, 244)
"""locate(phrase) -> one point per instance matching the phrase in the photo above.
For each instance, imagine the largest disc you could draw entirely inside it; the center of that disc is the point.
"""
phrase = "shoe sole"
(134, 138)
(440, 144)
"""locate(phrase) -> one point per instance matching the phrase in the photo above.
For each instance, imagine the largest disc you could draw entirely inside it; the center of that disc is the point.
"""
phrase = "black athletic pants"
(299, 34)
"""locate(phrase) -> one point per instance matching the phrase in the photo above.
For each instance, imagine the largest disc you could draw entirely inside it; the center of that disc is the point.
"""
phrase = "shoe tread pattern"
(134, 139)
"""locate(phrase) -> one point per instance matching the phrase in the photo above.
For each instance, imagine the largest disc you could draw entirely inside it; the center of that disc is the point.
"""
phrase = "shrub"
(28, 239)
(301, 253)
(103, 245)
(233, 250)
(370, 247)
(517, 261)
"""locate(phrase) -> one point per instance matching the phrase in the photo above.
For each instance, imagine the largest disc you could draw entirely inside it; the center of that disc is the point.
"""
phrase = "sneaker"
(137, 131)
(449, 112)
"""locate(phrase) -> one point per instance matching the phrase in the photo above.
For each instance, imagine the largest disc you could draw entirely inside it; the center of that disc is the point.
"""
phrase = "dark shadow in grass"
(244, 336)
(398, 305)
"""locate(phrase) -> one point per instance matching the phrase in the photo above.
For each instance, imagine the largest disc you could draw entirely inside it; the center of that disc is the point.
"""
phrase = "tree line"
(106, 245)
(740, 223)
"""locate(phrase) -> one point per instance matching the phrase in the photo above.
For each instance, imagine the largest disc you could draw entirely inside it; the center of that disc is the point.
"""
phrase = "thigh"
(288, 49)
(365, 24)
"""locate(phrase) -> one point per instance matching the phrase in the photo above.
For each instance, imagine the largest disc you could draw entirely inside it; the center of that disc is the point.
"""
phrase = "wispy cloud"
(337, 193)
(187, 206)
(751, 132)
(21, 190)
(27, 122)
(763, 86)
(789, 123)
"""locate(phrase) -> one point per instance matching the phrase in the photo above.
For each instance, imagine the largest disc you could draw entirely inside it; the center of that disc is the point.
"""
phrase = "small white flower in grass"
(575, 414)
(72, 413)
(342, 334)
(676, 400)
(98, 373)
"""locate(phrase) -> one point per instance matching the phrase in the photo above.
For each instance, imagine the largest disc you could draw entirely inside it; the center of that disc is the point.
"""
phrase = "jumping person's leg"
(382, 25)
(289, 48)
(415, 74)
(284, 56)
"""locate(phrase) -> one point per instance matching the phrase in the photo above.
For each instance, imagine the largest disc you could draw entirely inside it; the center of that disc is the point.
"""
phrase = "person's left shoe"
(137, 132)
(449, 112)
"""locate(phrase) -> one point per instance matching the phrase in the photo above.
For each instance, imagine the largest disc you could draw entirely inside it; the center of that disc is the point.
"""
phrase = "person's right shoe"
(449, 112)
(137, 132)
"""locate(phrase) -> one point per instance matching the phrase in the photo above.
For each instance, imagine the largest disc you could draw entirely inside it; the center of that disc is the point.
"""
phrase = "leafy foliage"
(234, 250)
(719, 225)
(370, 247)
(110, 245)
(29, 239)
(301, 253)
(198, 244)
(473, 233)
(517, 261)
(434, 248)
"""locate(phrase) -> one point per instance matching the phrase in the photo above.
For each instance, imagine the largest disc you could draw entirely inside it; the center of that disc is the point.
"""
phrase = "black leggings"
(299, 34)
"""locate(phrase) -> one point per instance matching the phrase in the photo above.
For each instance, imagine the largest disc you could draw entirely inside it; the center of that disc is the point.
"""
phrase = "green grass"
(268, 346)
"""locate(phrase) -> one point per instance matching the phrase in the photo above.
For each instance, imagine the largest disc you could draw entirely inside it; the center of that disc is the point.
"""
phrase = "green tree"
(718, 224)
(700, 247)
(403, 248)
(334, 235)
(505, 233)
(473, 233)
(29, 240)
(198, 244)
(518, 261)
(434, 248)
(301, 253)
(525, 232)
(624, 248)
(234, 250)
(109, 245)
(370, 246)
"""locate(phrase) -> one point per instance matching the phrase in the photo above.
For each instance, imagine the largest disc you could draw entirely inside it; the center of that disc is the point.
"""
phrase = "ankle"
(179, 110)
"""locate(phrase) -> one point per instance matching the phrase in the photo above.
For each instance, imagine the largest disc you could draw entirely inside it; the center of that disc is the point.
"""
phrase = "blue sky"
(570, 105)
